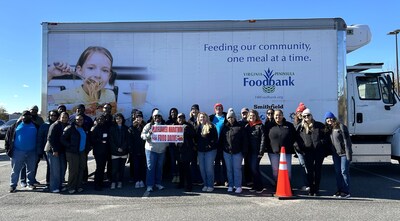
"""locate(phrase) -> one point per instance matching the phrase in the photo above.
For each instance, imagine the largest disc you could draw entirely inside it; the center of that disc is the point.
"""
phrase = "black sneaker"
(260, 191)
(337, 194)
(344, 195)
(13, 189)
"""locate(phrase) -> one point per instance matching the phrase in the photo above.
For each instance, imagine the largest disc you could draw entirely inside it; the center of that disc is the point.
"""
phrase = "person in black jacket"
(55, 152)
(74, 138)
(312, 145)
(42, 140)
(137, 151)
(256, 138)
(280, 134)
(206, 139)
(233, 140)
(119, 149)
(99, 136)
(184, 153)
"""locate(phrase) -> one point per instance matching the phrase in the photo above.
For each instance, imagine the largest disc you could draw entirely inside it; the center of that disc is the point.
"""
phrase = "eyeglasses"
(308, 115)
(270, 113)
(157, 116)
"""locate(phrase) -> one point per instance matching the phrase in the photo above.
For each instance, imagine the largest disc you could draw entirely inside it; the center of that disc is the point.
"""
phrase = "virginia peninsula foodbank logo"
(268, 80)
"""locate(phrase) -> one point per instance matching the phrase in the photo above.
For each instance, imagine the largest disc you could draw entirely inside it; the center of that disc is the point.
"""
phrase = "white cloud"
(24, 85)
(15, 95)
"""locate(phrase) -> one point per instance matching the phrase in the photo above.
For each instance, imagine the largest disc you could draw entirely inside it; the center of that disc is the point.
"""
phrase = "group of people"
(214, 145)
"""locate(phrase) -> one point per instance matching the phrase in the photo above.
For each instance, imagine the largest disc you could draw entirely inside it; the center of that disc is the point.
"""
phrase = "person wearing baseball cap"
(20, 146)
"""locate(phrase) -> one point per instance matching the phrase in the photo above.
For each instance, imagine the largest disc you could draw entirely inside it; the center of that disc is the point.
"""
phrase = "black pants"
(101, 160)
(220, 168)
(313, 160)
(185, 175)
(118, 169)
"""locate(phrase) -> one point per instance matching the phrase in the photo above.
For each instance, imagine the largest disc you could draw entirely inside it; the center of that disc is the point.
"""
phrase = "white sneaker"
(230, 189)
(112, 186)
(55, 191)
(238, 190)
(141, 184)
(160, 187)
(119, 186)
(137, 185)
(210, 189)
(204, 189)
(149, 189)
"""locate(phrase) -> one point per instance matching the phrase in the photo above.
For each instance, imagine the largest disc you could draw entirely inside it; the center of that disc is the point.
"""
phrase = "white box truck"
(258, 64)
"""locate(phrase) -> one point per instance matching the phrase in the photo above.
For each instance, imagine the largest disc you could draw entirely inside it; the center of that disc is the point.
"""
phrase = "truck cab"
(373, 114)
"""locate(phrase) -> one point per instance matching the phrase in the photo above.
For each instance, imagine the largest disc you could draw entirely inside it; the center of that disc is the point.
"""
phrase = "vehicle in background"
(4, 127)
(2, 122)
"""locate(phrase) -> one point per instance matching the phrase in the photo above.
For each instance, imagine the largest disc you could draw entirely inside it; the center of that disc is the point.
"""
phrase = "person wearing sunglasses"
(312, 144)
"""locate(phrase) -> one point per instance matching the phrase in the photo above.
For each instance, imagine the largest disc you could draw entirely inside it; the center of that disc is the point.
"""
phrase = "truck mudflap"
(371, 152)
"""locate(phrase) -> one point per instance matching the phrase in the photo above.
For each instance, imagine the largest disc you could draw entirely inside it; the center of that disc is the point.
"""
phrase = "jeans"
(274, 158)
(233, 164)
(58, 166)
(300, 157)
(206, 164)
(19, 160)
(155, 163)
(342, 166)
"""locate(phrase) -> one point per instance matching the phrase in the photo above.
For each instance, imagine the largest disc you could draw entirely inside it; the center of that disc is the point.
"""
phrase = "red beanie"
(301, 107)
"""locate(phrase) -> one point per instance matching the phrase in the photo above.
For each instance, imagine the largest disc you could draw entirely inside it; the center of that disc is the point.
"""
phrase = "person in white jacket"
(155, 154)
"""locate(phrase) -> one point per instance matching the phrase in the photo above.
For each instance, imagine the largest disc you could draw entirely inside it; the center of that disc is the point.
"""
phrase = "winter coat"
(119, 139)
(100, 139)
(281, 135)
(136, 143)
(207, 142)
(315, 140)
(71, 139)
(54, 138)
(234, 139)
(256, 138)
(184, 151)
(341, 143)
(42, 138)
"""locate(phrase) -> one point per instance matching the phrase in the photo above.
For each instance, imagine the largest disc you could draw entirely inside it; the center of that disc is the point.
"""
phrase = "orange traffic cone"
(283, 189)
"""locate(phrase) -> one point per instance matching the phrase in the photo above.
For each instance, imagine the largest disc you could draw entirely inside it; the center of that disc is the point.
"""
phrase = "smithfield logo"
(268, 83)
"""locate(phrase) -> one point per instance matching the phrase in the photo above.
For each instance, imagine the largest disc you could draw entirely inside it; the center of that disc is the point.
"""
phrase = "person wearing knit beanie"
(301, 107)
(230, 113)
(329, 115)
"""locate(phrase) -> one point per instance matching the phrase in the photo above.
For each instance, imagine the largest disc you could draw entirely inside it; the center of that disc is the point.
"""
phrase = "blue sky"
(21, 30)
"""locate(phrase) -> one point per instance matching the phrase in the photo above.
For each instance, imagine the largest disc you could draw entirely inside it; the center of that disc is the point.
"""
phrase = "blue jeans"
(274, 159)
(206, 164)
(342, 166)
(233, 164)
(155, 162)
(20, 159)
(58, 166)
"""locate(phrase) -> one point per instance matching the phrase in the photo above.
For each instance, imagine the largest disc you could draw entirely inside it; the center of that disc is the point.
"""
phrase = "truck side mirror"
(387, 107)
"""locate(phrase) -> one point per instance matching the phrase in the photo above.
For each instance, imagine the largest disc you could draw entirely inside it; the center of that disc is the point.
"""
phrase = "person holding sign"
(155, 153)
(206, 138)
